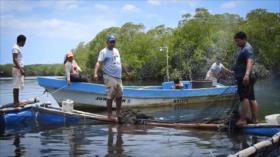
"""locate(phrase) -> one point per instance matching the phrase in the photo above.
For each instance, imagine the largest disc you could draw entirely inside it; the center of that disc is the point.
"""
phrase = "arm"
(78, 67)
(95, 70)
(67, 67)
(17, 64)
(227, 70)
(248, 71)
(125, 70)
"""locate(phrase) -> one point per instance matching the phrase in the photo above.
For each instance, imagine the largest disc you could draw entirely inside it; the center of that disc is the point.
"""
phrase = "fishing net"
(219, 110)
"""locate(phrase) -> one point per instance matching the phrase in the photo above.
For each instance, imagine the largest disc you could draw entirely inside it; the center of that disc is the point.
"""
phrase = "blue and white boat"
(86, 95)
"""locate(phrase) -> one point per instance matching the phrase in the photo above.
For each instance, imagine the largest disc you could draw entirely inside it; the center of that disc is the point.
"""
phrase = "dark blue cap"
(110, 37)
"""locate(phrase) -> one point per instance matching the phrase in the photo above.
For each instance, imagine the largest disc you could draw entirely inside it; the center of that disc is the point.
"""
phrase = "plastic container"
(273, 119)
(67, 105)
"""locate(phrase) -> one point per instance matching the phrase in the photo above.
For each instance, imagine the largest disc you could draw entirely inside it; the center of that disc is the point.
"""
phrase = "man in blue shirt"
(245, 77)
(109, 57)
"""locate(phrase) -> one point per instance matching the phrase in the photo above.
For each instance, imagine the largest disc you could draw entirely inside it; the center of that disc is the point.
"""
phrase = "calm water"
(117, 140)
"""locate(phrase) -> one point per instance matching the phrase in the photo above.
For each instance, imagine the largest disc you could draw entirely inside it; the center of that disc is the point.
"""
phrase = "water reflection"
(115, 146)
(19, 148)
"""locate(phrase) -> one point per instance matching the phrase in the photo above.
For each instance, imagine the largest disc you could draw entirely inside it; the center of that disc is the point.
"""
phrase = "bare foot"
(110, 117)
(241, 122)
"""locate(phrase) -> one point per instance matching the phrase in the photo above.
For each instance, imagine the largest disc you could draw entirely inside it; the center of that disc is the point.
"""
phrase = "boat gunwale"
(133, 92)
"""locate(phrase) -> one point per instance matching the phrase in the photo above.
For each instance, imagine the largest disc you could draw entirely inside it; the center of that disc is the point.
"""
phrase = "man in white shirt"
(215, 71)
(17, 70)
(109, 57)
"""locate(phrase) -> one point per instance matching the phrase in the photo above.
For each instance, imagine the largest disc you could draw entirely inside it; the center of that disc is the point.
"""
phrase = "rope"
(46, 91)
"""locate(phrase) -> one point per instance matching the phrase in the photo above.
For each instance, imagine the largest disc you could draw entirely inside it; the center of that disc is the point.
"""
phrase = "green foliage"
(192, 47)
(35, 70)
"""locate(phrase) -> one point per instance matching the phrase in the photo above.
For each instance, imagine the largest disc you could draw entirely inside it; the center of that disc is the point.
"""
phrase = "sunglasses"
(113, 41)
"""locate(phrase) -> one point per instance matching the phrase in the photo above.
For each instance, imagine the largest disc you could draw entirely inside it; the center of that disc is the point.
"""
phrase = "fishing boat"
(44, 114)
(86, 95)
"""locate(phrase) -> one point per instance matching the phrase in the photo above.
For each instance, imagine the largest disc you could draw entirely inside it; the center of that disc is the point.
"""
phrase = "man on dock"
(109, 57)
(246, 78)
(17, 70)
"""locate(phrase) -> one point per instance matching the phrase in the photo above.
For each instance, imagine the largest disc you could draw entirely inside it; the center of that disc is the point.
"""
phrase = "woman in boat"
(72, 69)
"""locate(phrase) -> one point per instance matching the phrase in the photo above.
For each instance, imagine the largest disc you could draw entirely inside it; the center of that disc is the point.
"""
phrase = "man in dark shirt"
(245, 80)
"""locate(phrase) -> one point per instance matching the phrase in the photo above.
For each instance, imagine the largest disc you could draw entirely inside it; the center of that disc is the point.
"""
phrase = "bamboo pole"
(193, 126)
(96, 116)
(85, 114)
(253, 149)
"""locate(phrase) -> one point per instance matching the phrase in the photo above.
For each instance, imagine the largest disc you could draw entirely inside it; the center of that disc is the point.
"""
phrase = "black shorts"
(246, 91)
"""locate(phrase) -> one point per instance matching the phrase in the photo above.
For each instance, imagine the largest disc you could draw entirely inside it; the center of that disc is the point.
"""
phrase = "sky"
(53, 27)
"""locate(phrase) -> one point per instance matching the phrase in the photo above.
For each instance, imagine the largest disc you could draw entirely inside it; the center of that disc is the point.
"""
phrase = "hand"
(68, 82)
(245, 80)
(22, 71)
(95, 77)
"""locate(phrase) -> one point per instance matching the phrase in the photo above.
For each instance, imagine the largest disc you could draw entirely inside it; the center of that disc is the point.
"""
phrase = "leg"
(109, 107)
(254, 110)
(16, 95)
(253, 102)
(245, 104)
(119, 94)
(78, 78)
(243, 112)
(118, 105)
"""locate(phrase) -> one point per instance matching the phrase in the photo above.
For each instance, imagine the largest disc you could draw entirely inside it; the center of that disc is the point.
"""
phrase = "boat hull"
(87, 95)
(88, 100)
(261, 129)
(47, 116)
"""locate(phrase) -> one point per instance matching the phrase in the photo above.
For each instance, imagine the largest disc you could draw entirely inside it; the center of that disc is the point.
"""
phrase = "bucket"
(67, 105)
(273, 119)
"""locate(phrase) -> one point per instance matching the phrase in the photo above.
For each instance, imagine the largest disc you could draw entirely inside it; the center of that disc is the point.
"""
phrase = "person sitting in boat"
(72, 70)
(216, 70)
(178, 84)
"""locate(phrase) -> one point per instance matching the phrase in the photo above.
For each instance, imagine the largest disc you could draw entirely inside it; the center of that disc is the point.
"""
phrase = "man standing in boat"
(109, 57)
(246, 78)
(17, 70)
(216, 70)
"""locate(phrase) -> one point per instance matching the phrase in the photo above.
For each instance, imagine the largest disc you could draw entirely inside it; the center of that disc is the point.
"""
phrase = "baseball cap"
(69, 54)
(110, 37)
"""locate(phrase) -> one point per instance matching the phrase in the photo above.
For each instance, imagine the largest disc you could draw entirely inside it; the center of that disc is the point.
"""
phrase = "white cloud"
(153, 2)
(81, 29)
(14, 6)
(23, 6)
(229, 5)
(101, 7)
(193, 3)
(128, 8)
